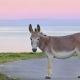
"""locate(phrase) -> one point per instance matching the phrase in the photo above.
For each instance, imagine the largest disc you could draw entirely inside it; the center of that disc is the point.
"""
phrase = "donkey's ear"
(30, 28)
(38, 27)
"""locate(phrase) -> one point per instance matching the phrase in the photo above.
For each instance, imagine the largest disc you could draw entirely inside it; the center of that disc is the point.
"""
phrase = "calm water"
(16, 39)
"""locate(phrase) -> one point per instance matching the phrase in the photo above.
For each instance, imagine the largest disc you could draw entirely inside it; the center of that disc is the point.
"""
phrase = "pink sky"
(24, 9)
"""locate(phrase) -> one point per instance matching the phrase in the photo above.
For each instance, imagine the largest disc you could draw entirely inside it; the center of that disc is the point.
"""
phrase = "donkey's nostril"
(34, 50)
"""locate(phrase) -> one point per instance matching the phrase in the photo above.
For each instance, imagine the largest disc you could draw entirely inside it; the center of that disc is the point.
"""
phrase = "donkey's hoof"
(78, 76)
(47, 77)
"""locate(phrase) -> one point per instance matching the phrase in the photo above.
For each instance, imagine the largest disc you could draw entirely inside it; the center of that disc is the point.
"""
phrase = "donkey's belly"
(63, 54)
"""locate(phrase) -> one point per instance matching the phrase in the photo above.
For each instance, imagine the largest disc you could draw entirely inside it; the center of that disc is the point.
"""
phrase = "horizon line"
(43, 22)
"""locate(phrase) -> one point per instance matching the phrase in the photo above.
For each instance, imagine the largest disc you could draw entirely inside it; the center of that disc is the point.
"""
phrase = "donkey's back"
(65, 43)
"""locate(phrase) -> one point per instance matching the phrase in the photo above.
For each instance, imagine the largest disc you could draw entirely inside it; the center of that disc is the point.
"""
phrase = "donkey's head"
(34, 37)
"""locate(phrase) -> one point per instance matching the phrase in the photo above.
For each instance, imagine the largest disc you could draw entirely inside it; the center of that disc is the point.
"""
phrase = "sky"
(47, 10)
(56, 17)
(58, 9)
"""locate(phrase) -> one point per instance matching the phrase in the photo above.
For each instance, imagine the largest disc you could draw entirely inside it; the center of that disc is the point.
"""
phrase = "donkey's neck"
(43, 42)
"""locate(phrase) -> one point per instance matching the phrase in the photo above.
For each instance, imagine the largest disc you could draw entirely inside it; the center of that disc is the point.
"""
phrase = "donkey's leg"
(78, 52)
(50, 58)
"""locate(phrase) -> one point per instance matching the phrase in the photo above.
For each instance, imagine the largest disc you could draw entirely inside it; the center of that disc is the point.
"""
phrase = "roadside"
(4, 77)
(10, 57)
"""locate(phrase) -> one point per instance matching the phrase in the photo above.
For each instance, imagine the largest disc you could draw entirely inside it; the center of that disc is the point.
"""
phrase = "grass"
(8, 57)
(4, 77)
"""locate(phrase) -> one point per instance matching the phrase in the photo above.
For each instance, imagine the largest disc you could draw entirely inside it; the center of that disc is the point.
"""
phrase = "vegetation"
(7, 57)
(4, 77)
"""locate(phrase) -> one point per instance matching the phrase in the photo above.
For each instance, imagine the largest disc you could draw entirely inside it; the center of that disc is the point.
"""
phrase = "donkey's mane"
(41, 33)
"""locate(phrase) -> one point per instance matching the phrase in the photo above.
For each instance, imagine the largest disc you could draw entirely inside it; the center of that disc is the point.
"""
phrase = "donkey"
(60, 47)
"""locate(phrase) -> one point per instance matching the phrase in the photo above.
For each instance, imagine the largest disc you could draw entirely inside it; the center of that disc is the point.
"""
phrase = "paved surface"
(63, 69)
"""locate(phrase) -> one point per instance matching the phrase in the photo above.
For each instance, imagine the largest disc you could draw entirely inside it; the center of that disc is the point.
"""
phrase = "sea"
(17, 38)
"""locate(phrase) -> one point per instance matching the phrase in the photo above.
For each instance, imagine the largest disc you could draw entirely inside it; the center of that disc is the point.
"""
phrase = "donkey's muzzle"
(34, 50)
